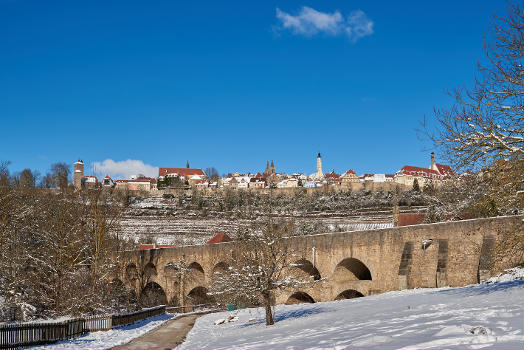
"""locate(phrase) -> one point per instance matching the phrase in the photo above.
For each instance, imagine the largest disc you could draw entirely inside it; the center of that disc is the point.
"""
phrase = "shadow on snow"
(281, 316)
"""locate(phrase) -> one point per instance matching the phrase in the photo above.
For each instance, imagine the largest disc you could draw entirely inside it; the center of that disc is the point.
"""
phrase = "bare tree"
(263, 266)
(60, 173)
(47, 181)
(486, 123)
(57, 252)
(212, 173)
(28, 178)
(4, 173)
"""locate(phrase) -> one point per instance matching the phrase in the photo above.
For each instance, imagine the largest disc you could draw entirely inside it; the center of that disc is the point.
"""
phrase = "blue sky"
(231, 84)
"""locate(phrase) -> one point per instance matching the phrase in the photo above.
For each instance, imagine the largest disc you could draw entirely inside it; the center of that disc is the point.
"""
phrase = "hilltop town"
(194, 178)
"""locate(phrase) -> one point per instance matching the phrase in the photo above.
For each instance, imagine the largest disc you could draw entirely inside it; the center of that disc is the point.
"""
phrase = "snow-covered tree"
(262, 266)
(486, 123)
(57, 255)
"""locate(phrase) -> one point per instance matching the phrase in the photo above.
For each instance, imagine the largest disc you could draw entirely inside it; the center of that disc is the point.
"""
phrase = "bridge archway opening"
(131, 273)
(149, 270)
(152, 295)
(349, 294)
(199, 296)
(352, 269)
(196, 267)
(220, 269)
(171, 270)
(307, 267)
(195, 275)
(299, 298)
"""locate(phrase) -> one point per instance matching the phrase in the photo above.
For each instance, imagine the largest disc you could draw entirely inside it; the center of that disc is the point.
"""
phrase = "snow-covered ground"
(108, 339)
(487, 316)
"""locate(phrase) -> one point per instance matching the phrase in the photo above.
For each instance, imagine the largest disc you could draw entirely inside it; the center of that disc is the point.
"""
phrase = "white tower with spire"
(319, 175)
(433, 165)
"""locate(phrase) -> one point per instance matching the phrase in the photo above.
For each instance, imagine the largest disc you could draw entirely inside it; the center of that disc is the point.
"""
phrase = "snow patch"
(487, 316)
(108, 339)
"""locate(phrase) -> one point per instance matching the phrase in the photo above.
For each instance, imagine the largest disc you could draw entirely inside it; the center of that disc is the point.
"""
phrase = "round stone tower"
(78, 174)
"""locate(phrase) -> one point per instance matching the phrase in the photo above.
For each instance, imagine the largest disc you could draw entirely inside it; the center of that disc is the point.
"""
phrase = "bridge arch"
(152, 295)
(218, 269)
(171, 270)
(299, 298)
(349, 294)
(351, 269)
(131, 273)
(195, 275)
(199, 295)
(150, 270)
(196, 268)
(307, 267)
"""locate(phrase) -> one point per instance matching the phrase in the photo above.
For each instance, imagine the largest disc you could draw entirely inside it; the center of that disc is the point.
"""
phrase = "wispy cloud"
(124, 168)
(309, 22)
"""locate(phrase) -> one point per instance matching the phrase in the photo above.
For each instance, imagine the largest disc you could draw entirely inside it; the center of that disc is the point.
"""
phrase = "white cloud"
(309, 22)
(359, 25)
(124, 169)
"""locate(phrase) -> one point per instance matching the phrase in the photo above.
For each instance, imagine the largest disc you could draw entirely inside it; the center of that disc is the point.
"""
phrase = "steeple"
(319, 175)
(433, 165)
(187, 164)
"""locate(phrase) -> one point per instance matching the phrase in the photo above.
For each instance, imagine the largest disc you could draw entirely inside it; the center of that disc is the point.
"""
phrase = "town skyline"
(129, 168)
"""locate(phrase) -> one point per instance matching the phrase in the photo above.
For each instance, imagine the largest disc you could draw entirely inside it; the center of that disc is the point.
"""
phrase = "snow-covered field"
(487, 316)
(108, 339)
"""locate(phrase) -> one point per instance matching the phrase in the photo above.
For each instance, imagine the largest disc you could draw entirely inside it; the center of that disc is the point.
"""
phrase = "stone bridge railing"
(348, 264)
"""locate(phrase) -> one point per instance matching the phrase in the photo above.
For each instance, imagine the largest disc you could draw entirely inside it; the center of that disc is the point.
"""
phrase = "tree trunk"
(269, 312)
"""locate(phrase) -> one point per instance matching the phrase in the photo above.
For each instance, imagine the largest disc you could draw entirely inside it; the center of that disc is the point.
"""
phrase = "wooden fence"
(98, 323)
(13, 336)
(130, 318)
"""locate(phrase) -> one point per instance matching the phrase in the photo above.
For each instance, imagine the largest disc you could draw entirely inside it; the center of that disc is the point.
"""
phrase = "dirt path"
(167, 336)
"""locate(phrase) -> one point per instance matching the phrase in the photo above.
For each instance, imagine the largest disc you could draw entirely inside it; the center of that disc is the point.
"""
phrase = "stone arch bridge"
(346, 264)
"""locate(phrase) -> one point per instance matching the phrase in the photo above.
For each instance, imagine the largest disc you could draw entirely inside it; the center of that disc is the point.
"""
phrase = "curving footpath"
(167, 336)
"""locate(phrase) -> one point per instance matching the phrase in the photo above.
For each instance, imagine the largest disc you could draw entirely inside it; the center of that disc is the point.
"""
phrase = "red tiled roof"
(180, 171)
(143, 179)
(408, 169)
(350, 171)
(390, 175)
(444, 169)
(219, 238)
(332, 175)
(107, 177)
(152, 246)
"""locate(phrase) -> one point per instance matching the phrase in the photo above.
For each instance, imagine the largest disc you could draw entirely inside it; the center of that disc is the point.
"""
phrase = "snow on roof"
(415, 170)
(180, 171)
(444, 169)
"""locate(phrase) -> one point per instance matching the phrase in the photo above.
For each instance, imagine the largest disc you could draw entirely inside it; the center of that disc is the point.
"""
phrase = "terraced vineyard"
(166, 221)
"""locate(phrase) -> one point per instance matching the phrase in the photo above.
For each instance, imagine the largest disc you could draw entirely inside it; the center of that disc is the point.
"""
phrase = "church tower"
(78, 174)
(433, 165)
(319, 174)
